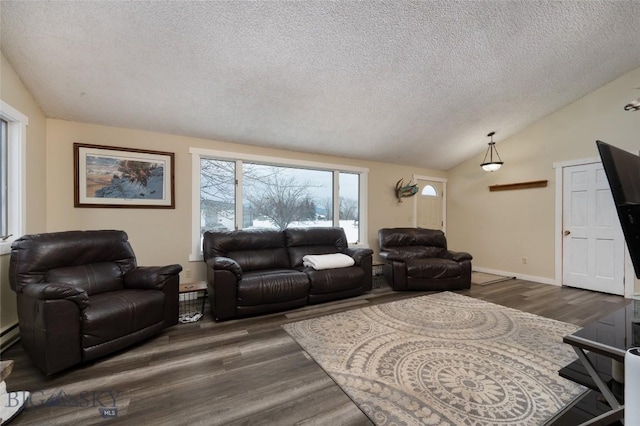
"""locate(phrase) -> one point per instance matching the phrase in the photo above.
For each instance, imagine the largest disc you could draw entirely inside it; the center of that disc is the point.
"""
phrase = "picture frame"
(118, 177)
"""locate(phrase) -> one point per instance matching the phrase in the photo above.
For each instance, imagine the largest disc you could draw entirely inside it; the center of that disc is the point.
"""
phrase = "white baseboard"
(533, 278)
(9, 336)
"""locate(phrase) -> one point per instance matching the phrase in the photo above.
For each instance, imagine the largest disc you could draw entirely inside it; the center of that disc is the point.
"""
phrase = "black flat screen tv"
(623, 173)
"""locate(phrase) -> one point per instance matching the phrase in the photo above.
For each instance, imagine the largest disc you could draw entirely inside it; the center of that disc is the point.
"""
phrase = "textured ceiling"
(417, 83)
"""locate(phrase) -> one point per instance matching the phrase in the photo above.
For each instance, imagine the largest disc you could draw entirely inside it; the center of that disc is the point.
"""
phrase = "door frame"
(443, 181)
(629, 275)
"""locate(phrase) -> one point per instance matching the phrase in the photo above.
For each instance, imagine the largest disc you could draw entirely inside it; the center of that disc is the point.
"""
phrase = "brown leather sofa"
(418, 259)
(253, 272)
(81, 295)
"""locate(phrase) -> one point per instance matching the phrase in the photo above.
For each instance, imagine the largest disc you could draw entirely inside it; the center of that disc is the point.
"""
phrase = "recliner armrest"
(358, 254)
(150, 277)
(57, 291)
(226, 264)
(458, 256)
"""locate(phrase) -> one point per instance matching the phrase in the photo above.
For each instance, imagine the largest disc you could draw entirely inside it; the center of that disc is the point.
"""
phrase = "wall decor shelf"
(520, 185)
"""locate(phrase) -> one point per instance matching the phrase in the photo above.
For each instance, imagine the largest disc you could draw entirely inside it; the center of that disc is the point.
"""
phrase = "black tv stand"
(598, 345)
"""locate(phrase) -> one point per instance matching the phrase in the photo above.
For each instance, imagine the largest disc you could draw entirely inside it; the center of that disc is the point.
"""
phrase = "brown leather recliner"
(81, 295)
(418, 259)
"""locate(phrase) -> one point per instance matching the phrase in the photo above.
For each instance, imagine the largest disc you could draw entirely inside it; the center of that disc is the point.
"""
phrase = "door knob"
(567, 232)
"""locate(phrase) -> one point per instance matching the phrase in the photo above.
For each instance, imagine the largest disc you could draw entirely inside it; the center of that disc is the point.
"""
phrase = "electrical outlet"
(524, 260)
(187, 273)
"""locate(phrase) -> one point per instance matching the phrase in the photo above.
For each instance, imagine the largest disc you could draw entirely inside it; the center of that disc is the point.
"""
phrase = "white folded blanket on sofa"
(327, 261)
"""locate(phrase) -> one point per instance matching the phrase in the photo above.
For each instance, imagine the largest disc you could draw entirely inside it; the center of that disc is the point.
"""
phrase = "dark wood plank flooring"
(243, 372)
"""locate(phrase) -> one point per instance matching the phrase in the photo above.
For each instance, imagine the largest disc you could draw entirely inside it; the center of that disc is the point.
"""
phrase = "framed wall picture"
(123, 177)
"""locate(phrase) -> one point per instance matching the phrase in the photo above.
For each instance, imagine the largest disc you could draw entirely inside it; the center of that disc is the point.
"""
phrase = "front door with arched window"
(430, 199)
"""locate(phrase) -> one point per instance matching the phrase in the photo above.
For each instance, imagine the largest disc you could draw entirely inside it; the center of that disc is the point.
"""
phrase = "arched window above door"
(429, 191)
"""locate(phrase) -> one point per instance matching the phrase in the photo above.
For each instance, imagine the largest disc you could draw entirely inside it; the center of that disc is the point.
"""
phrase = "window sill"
(5, 248)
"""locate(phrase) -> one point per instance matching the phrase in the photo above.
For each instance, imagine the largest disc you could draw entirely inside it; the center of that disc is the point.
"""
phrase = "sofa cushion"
(417, 252)
(400, 237)
(117, 313)
(332, 280)
(93, 278)
(433, 268)
(253, 260)
(303, 241)
(33, 255)
(272, 286)
(252, 249)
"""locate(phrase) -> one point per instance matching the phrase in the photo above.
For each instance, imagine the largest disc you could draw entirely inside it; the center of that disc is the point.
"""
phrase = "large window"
(277, 197)
(4, 163)
(217, 195)
(249, 192)
(12, 145)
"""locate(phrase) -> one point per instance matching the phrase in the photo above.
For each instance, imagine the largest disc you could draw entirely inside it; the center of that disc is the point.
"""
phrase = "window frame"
(199, 153)
(433, 188)
(17, 124)
(4, 163)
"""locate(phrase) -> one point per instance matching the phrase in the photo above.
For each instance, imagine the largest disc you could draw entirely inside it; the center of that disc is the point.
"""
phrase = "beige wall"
(163, 236)
(499, 228)
(14, 93)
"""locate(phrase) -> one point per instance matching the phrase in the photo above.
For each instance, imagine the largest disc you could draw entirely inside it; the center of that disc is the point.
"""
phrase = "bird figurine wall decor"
(404, 191)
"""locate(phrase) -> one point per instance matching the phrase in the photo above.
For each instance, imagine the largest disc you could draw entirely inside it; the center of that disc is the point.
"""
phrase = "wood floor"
(243, 372)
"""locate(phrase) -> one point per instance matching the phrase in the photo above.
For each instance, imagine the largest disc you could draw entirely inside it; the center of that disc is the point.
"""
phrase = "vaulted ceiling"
(411, 82)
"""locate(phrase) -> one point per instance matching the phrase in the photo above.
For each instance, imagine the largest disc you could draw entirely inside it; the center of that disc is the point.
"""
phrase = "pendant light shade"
(494, 161)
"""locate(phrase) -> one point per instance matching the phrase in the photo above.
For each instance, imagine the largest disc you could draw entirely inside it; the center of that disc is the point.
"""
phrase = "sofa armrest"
(50, 329)
(218, 263)
(222, 288)
(363, 258)
(458, 256)
(163, 278)
(57, 291)
(150, 277)
(358, 254)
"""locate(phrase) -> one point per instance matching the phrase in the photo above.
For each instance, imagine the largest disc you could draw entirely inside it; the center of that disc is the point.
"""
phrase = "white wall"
(499, 228)
(163, 236)
(14, 93)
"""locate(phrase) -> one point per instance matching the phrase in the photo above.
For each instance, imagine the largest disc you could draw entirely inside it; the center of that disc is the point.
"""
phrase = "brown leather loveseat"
(258, 271)
(81, 295)
(418, 259)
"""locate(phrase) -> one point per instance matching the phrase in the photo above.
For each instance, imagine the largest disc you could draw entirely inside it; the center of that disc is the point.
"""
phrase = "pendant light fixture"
(495, 162)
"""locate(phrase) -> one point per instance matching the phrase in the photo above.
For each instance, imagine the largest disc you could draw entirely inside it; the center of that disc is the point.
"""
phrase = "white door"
(430, 202)
(593, 244)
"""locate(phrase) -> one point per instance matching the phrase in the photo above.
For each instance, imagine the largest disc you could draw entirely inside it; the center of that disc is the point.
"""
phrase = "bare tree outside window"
(327, 207)
(350, 198)
(348, 209)
(280, 195)
(217, 194)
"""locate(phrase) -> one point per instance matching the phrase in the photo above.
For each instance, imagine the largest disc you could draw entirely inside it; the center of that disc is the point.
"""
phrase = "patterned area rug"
(444, 359)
